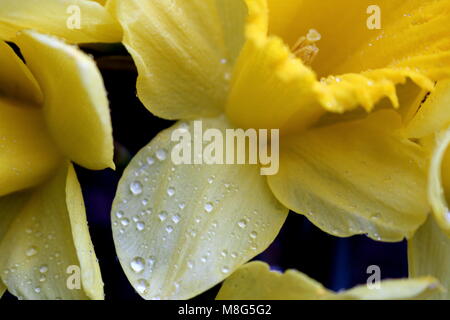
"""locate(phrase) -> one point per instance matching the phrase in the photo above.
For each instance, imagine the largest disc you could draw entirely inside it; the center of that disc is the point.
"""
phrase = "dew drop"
(137, 264)
(176, 218)
(181, 205)
(37, 290)
(43, 269)
(125, 222)
(170, 191)
(140, 226)
(136, 188)
(225, 269)
(253, 234)
(242, 224)
(31, 251)
(209, 207)
(150, 160)
(162, 215)
(161, 154)
(144, 202)
(169, 229)
(142, 286)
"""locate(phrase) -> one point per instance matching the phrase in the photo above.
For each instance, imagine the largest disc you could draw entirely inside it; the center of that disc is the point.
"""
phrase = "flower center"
(305, 48)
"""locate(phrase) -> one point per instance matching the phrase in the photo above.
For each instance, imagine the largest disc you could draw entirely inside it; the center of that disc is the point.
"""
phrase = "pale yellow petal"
(27, 154)
(77, 21)
(16, 80)
(255, 281)
(76, 106)
(184, 52)
(46, 244)
(429, 254)
(2, 289)
(355, 177)
(439, 177)
(181, 229)
(398, 289)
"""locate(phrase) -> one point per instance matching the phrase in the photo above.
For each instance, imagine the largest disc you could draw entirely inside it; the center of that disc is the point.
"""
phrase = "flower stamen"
(305, 48)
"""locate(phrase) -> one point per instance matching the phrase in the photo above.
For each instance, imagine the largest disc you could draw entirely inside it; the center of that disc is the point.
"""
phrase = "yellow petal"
(429, 254)
(181, 229)
(398, 289)
(76, 107)
(2, 289)
(184, 51)
(16, 80)
(272, 88)
(355, 177)
(255, 281)
(47, 244)
(434, 113)
(439, 177)
(77, 21)
(27, 153)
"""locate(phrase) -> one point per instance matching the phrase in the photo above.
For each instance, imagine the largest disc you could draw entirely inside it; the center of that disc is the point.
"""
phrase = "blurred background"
(336, 263)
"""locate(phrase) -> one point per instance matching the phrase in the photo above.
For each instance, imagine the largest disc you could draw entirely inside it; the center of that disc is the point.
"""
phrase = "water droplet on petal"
(43, 269)
(176, 218)
(170, 191)
(161, 154)
(142, 286)
(162, 215)
(136, 188)
(209, 207)
(137, 264)
(31, 251)
(242, 224)
(140, 226)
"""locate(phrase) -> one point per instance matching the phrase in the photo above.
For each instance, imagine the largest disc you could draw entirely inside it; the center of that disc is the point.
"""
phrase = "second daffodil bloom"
(344, 95)
(53, 110)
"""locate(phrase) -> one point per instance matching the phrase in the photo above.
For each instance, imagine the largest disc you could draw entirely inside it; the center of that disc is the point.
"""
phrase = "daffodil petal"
(439, 177)
(272, 88)
(76, 106)
(184, 51)
(433, 114)
(46, 251)
(355, 177)
(255, 281)
(27, 153)
(181, 229)
(77, 21)
(429, 254)
(397, 289)
(16, 80)
(2, 289)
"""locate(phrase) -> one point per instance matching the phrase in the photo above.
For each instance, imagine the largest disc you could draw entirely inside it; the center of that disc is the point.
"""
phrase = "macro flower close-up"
(244, 149)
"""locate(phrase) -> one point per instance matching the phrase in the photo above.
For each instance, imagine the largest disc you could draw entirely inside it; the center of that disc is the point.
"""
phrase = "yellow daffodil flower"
(306, 68)
(53, 110)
